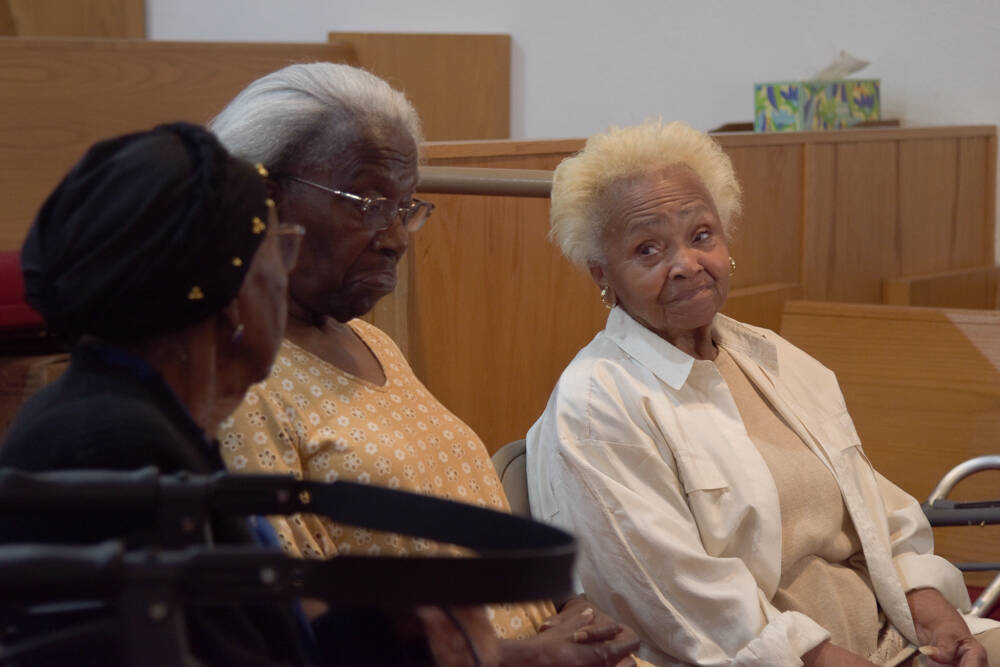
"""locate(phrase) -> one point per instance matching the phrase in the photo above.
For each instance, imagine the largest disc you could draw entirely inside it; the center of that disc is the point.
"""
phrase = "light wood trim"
(991, 195)
(461, 149)
(459, 83)
(441, 150)
(854, 136)
(78, 18)
(893, 313)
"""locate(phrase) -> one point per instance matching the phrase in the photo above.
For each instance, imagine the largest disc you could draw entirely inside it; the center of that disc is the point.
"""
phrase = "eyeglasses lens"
(382, 213)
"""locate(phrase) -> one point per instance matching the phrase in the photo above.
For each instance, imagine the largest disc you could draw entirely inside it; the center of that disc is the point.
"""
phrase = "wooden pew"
(977, 287)
(923, 388)
(59, 96)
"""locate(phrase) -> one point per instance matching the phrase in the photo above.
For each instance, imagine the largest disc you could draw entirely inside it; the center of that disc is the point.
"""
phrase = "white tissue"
(841, 68)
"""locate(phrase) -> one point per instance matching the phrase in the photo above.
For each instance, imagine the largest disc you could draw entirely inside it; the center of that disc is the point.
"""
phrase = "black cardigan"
(111, 410)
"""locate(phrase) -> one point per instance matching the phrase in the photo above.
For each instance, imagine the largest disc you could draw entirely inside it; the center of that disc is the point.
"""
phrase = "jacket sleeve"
(641, 555)
(912, 543)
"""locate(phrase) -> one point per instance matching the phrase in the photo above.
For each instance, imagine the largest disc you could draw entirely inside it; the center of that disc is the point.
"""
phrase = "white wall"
(580, 65)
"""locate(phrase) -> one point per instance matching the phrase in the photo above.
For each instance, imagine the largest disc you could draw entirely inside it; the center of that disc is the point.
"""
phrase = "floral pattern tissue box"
(791, 106)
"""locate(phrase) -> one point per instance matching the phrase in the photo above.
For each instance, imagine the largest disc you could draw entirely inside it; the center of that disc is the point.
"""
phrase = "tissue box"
(791, 106)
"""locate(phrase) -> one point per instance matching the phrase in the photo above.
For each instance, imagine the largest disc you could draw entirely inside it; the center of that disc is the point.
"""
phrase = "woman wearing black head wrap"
(160, 258)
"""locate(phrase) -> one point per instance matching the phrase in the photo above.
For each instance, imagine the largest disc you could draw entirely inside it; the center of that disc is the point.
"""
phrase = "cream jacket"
(641, 452)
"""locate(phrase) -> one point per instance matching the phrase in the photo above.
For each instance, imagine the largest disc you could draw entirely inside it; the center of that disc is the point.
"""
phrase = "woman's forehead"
(674, 192)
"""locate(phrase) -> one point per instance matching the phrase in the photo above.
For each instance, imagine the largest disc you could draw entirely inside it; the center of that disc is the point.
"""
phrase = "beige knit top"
(823, 572)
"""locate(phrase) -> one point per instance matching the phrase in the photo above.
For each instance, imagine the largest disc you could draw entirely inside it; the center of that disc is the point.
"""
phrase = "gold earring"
(604, 298)
(732, 265)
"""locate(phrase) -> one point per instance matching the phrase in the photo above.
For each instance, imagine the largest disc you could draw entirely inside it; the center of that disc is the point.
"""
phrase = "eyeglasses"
(378, 212)
(289, 243)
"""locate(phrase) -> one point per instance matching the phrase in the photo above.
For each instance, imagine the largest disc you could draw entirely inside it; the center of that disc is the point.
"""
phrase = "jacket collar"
(673, 366)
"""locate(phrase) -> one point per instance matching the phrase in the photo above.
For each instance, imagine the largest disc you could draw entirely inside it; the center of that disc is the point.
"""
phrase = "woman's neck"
(188, 363)
(337, 344)
(697, 342)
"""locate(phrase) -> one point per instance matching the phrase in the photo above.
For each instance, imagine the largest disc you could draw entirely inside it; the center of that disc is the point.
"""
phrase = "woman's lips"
(382, 281)
(689, 293)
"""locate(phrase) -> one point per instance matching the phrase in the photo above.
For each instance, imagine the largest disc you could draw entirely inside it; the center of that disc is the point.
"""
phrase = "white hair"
(578, 212)
(302, 116)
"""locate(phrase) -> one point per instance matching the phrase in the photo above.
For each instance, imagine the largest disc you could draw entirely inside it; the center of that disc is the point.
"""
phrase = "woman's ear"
(231, 326)
(597, 274)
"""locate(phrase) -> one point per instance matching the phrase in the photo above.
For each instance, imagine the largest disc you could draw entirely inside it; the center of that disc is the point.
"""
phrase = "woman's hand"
(460, 636)
(578, 636)
(831, 655)
(942, 631)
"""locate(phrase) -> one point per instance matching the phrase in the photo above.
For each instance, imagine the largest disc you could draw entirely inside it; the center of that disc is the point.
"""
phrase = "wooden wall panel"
(819, 211)
(772, 215)
(851, 247)
(77, 18)
(973, 244)
(928, 205)
(7, 27)
(923, 388)
(460, 84)
(57, 97)
(496, 312)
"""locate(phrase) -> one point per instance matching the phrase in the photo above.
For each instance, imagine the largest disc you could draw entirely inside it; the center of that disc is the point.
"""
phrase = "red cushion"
(15, 313)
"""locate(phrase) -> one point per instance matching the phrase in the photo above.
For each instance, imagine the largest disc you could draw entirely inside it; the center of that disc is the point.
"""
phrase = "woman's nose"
(394, 239)
(684, 263)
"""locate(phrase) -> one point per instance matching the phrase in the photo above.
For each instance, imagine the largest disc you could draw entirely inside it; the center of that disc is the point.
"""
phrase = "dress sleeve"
(643, 557)
(912, 542)
(259, 439)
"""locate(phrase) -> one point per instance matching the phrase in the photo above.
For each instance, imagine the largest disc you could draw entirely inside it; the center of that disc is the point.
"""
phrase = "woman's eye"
(702, 235)
(645, 249)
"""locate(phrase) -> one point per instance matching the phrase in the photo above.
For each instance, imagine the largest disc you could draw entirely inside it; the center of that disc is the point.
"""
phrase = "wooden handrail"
(485, 181)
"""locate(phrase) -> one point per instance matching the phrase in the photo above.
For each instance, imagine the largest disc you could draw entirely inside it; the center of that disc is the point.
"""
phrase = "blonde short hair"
(580, 182)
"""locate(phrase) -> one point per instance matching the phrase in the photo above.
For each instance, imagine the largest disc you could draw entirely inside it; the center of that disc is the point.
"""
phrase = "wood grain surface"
(57, 97)
(964, 288)
(460, 84)
(75, 18)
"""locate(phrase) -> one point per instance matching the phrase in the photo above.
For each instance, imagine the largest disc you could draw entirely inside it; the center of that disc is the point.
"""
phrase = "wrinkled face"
(344, 268)
(666, 258)
(263, 304)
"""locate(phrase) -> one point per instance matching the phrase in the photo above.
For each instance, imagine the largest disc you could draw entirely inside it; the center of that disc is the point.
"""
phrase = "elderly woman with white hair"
(709, 468)
(342, 403)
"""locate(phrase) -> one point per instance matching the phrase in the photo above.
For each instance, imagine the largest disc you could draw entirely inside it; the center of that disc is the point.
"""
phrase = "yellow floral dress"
(312, 420)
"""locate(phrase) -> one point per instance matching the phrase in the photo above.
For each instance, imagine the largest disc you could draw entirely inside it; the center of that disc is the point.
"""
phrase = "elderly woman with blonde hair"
(723, 503)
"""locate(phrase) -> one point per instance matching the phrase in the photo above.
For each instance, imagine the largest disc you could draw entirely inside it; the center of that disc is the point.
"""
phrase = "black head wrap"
(148, 234)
